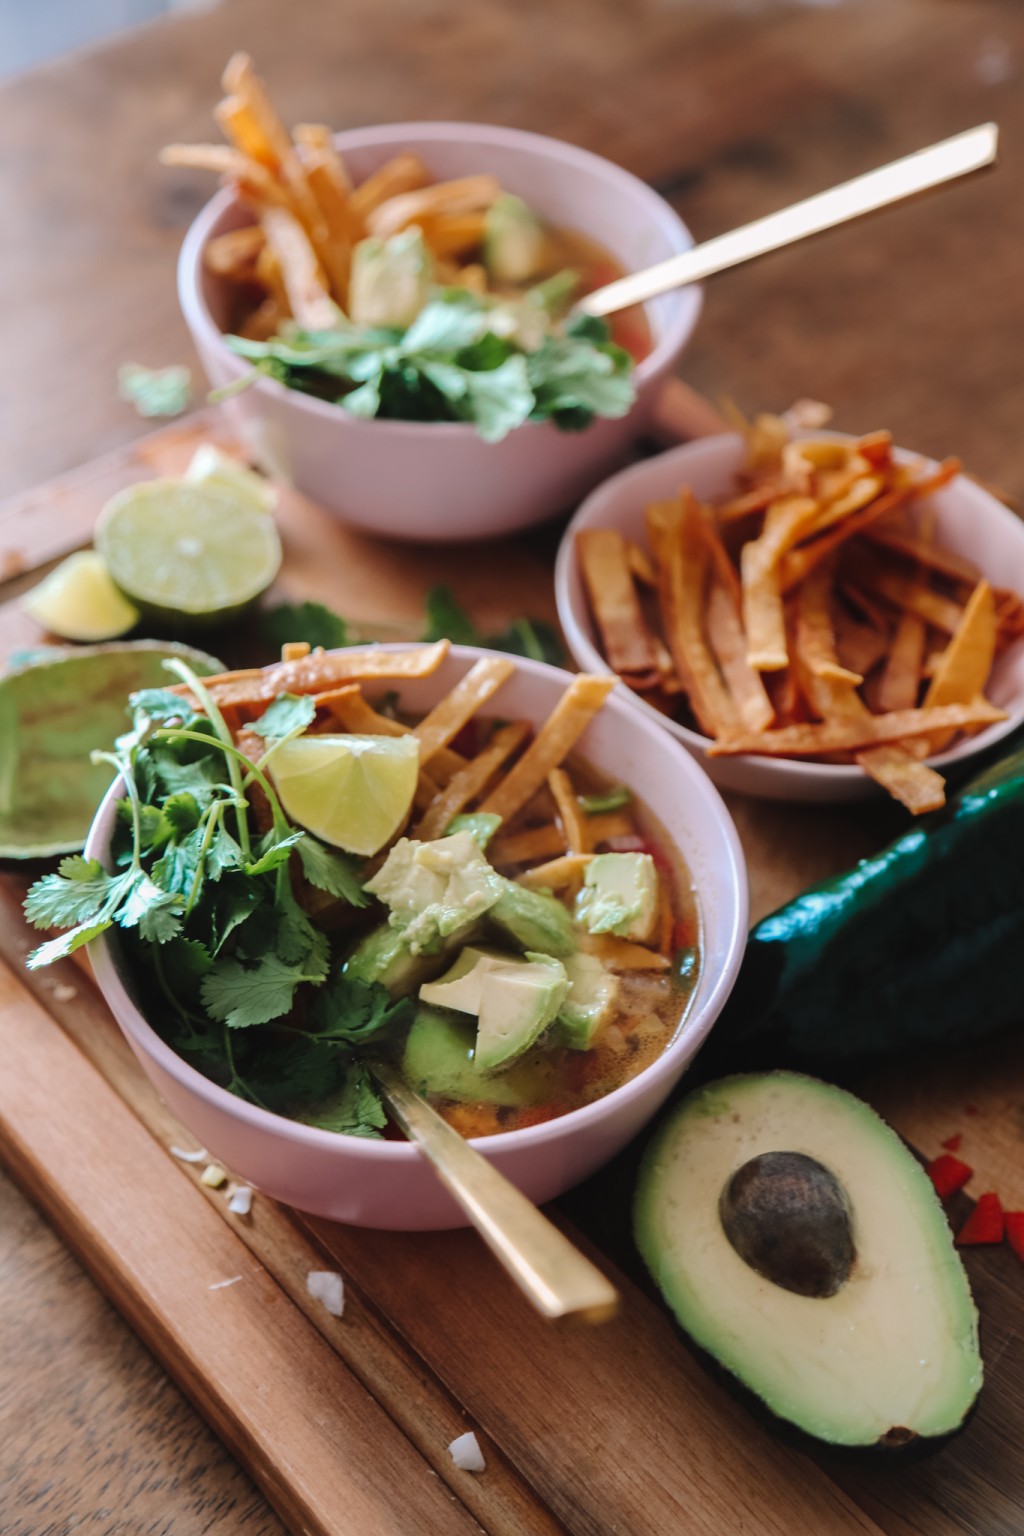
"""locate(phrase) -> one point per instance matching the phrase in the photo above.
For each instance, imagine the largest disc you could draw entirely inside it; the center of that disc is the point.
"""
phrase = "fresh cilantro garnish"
(356, 1013)
(290, 712)
(312, 623)
(464, 358)
(355, 1110)
(155, 391)
(447, 620)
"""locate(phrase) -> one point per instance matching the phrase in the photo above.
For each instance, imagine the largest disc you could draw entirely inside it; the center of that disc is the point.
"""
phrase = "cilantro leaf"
(447, 620)
(155, 391)
(66, 943)
(331, 871)
(287, 1072)
(356, 1012)
(273, 853)
(242, 994)
(289, 712)
(80, 890)
(309, 622)
(355, 1110)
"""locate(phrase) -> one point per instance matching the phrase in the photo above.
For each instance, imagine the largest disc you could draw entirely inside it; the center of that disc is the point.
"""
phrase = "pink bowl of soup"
(440, 481)
(558, 1112)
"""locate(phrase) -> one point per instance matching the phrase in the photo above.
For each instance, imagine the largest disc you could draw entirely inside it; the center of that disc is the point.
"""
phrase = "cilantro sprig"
(203, 892)
(463, 358)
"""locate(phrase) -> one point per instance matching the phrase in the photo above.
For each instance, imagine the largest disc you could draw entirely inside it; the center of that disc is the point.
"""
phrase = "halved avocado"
(800, 1243)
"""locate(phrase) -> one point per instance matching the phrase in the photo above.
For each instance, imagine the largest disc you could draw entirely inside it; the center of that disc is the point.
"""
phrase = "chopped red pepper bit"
(954, 1143)
(1015, 1232)
(985, 1224)
(948, 1174)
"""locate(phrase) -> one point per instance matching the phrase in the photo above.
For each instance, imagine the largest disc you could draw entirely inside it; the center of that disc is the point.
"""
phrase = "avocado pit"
(788, 1217)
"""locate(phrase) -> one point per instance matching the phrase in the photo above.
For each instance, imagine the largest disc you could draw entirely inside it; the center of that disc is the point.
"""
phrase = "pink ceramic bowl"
(968, 520)
(440, 481)
(387, 1183)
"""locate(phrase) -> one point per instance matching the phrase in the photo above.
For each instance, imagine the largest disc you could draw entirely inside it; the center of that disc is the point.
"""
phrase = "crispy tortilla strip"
(763, 617)
(860, 494)
(759, 499)
(899, 684)
(607, 824)
(570, 813)
(242, 83)
(557, 874)
(402, 173)
(859, 647)
(967, 660)
(799, 563)
(724, 570)
(729, 648)
(466, 194)
(253, 177)
(308, 297)
(340, 229)
(294, 650)
(552, 744)
(319, 140)
(915, 785)
(235, 254)
(682, 558)
(320, 672)
(464, 786)
(268, 272)
(767, 438)
(623, 954)
(921, 552)
(854, 735)
(814, 606)
(238, 123)
(627, 641)
(641, 564)
(904, 591)
(471, 693)
(452, 234)
(546, 842)
(876, 447)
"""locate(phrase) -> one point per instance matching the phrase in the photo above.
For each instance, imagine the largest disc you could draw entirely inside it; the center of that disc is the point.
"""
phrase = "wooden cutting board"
(345, 1422)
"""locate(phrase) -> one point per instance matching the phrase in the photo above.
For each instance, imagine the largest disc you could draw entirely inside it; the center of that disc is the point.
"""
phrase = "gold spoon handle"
(553, 1274)
(926, 168)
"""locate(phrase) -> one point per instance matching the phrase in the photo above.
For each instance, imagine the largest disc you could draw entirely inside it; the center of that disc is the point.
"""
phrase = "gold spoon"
(555, 1276)
(915, 173)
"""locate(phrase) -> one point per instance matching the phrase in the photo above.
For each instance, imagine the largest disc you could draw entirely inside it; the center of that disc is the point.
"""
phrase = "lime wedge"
(78, 601)
(353, 791)
(190, 555)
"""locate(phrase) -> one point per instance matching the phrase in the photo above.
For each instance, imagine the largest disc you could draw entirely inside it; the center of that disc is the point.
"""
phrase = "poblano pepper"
(917, 948)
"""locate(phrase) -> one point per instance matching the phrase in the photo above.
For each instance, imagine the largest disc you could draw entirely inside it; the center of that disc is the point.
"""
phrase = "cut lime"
(352, 791)
(190, 555)
(78, 601)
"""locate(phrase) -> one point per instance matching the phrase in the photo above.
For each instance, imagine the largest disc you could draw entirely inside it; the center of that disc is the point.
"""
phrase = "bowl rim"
(667, 346)
(586, 654)
(690, 1035)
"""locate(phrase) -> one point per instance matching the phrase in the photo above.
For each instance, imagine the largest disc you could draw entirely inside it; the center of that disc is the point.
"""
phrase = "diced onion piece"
(327, 1287)
(240, 1203)
(466, 1453)
(198, 1156)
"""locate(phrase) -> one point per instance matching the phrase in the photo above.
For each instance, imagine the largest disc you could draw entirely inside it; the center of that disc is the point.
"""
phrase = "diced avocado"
(390, 280)
(620, 895)
(514, 999)
(515, 242)
(534, 919)
(553, 296)
(435, 889)
(481, 826)
(439, 1060)
(800, 1243)
(384, 957)
(587, 1005)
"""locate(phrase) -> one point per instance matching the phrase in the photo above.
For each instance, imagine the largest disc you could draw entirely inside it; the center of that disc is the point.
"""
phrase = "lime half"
(188, 554)
(352, 791)
(78, 601)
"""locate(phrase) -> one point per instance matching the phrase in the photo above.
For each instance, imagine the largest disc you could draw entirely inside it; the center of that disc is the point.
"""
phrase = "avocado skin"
(635, 1164)
(915, 949)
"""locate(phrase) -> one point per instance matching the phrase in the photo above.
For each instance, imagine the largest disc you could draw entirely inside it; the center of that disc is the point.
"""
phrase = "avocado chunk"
(383, 956)
(434, 889)
(800, 1243)
(515, 242)
(620, 896)
(514, 999)
(588, 1003)
(439, 1061)
(390, 280)
(481, 826)
(533, 919)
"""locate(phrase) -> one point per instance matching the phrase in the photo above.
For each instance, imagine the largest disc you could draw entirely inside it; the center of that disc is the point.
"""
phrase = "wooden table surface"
(913, 321)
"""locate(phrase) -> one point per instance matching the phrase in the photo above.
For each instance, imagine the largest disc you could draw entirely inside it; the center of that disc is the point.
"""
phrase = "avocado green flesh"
(438, 1062)
(514, 998)
(896, 1347)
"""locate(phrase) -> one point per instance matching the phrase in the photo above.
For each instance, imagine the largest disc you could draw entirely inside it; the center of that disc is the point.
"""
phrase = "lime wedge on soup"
(189, 554)
(355, 792)
(53, 713)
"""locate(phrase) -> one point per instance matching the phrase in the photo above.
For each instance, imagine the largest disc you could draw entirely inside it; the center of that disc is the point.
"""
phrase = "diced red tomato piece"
(985, 1224)
(953, 1143)
(1015, 1232)
(948, 1174)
